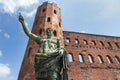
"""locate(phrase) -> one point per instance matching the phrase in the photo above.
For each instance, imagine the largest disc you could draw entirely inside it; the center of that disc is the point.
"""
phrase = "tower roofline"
(48, 2)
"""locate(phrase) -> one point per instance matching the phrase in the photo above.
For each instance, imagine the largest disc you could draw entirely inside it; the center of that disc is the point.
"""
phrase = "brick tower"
(48, 15)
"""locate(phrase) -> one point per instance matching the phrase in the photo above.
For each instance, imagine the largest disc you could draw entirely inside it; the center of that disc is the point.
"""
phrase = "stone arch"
(91, 59)
(81, 59)
(117, 59)
(109, 59)
(70, 57)
(100, 59)
(55, 33)
(40, 31)
(76, 41)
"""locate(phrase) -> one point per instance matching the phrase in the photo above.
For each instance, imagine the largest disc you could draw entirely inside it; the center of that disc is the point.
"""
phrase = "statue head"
(49, 32)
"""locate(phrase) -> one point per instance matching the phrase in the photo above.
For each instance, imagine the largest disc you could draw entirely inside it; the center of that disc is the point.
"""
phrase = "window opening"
(55, 11)
(70, 57)
(101, 43)
(40, 31)
(76, 41)
(117, 45)
(100, 59)
(48, 19)
(85, 42)
(55, 33)
(109, 44)
(93, 42)
(117, 59)
(81, 58)
(109, 59)
(90, 58)
(68, 40)
(44, 10)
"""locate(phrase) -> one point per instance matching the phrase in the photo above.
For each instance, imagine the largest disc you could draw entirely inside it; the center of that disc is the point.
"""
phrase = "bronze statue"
(51, 59)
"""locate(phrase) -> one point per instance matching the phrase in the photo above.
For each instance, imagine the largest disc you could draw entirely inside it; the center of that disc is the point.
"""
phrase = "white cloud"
(10, 6)
(29, 14)
(0, 53)
(6, 35)
(4, 70)
(26, 3)
(7, 6)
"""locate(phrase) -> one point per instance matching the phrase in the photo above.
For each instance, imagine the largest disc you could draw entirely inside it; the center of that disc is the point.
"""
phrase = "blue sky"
(86, 16)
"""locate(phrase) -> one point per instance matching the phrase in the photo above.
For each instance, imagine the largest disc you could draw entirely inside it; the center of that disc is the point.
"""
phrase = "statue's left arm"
(64, 53)
(59, 46)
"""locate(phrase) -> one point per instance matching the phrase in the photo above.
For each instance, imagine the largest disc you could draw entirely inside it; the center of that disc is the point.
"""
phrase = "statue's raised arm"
(26, 29)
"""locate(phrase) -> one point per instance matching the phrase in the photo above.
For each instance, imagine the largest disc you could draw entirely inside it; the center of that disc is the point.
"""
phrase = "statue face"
(49, 32)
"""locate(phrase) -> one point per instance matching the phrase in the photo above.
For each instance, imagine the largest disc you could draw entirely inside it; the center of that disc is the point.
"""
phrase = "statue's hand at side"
(21, 19)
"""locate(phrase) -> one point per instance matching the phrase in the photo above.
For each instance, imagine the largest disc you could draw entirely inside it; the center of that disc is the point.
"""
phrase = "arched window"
(85, 42)
(117, 59)
(48, 19)
(117, 44)
(44, 10)
(100, 59)
(55, 12)
(76, 41)
(93, 42)
(81, 58)
(70, 57)
(91, 58)
(40, 31)
(101, 43)
(67, 40)
(109, 44)
(55, 33)
(109, 59)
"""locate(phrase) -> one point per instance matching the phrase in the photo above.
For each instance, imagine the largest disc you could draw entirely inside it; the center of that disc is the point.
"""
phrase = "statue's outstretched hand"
(21, 19)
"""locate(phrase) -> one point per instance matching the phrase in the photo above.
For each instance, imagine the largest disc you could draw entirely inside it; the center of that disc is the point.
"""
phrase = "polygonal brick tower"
(48, 15)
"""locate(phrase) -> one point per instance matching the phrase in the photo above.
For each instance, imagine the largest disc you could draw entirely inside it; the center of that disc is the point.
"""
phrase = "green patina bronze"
(51, 61)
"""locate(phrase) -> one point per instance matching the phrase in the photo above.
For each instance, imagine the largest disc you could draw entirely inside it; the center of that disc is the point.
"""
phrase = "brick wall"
(93, 57)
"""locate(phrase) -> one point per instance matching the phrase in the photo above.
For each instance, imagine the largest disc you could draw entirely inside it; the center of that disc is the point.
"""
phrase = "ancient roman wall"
(93, 57)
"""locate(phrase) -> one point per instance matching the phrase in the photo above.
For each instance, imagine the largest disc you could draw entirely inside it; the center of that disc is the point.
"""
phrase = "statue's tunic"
(48, 60)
